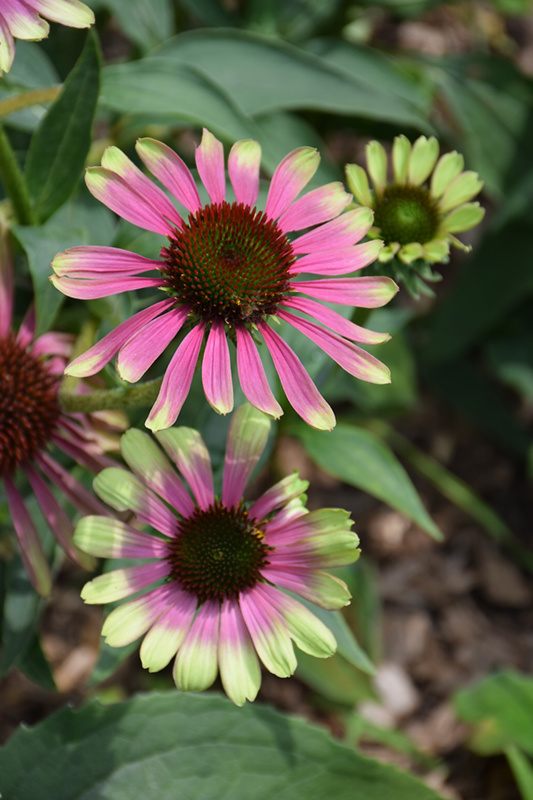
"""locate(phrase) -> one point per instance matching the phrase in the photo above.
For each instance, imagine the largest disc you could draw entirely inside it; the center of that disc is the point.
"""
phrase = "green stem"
(143, 394)
(14, 184)
(35, 97)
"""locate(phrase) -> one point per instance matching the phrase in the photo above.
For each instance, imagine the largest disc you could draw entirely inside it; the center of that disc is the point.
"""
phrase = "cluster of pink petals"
(234, 634)
(77, 435)
(19, 19)
(330, 250)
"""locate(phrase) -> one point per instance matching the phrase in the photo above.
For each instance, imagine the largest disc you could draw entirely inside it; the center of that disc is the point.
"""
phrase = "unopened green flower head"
(428, 200)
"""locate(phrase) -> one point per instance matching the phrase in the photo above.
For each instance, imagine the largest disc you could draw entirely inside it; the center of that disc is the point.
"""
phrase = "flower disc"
(406, 214)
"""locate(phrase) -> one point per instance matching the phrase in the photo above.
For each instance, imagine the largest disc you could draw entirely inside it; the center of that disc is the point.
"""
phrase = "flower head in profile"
(213, 568)
(19, 19)
(227, 270)
(31, 421)
(426, 203)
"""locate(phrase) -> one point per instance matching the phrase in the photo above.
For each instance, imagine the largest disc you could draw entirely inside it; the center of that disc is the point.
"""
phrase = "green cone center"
(406, 214)
(230, 262)
(28, 406)
(217, 553)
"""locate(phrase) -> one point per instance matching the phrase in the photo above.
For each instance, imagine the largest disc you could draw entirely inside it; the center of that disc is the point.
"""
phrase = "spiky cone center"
(406, 214)
(218, 553)
(28, 406)
(230, 262)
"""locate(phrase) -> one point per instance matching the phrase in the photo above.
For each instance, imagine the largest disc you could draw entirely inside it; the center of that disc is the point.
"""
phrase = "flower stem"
(143, 394)
(14, 184)
(34, 97)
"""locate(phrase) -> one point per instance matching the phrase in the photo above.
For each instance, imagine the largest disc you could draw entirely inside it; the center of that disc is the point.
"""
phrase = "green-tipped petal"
(401, 149)
(128, 622)
(240, 672)
(422, 160)
(163, 640)
(448, 167)
(357, 181)
(463, 218)
(388, 252)
(307, 631)
(106, 537)
(410, 252)
(196, 664)
(437, 250)
(376, 160)
(462, 189)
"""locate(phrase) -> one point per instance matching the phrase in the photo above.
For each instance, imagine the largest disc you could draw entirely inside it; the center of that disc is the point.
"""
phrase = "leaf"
(61, 142)
(170, 745)
(21, 611)
(264, 75)
(335, 679)
(357, 457)
(522, 771)
(501, 709)
(146, 24)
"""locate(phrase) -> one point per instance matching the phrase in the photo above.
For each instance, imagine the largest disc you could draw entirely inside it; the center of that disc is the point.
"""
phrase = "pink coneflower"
(19, 19)
(30, 421)
(212, 566)
(226, 271)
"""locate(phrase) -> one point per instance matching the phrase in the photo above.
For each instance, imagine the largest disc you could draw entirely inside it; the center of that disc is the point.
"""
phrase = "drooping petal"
(196, 668)
(463, 218)
(344, 231)
(318, 587)
(164, 638)
(247, 438)
(144, 347)
(7, 46)
(239, 667)
(216, 370)
(187, 450)
(100, 354)
(462, 189)
(376, 159)
(368, 292)
(177, 381)
(357, 181)
(307, 631)
(89, 262)
(23, 22)
(75, 493)
(125, 492)
(53, 344)
(292, 174)
(252, 376)
(171, 170)
(268, 632)
(101, 287)
(243, 166)
(278, 495)
(148, 462)
(315, 207)
(106, 537)
(301, 392)
(210, 163)
(339, 262)
(448, 167)
(30, 548)
(67, 12)
(335, 321)
(401, 149)
(130, 620)
(112, 586)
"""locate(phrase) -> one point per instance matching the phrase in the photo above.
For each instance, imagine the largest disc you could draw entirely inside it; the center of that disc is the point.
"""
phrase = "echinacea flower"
(31, 420)
(427, 201)
(226, 271)
(19, 19)
(214, 569)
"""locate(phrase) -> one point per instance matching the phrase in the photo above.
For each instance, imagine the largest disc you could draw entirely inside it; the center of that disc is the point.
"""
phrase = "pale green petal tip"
(437, 251)
(410, 252)
(461, 190)
(388, 252)
(422, 159)
(448, 167)
(401, 149)
(376, 159)
(357, 181)
(463, 218)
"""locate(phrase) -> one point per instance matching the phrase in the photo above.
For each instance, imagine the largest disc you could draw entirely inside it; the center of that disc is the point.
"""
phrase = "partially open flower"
(228, 271)
(427, 201)
(19, 19)
(211, 566)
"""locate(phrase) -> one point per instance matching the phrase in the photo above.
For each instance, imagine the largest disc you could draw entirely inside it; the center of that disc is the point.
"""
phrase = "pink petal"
(210, 163)
(315, 207)
(290, 177)
(187, 450)
(335, 321)
(22, 21)
(75, 493)
(370, 292)
(216, 370)
(277, 495)
(243, 166)
(301, 392)
(6, 274)
(30, 547)
(171, 170)
(91, 289)
(142, 349)
(177, 381)
(53, 344)
(252, 375)
(27, 327)
(344, 231)
(100, 354)
(7, 46)
(353, 359)
(245, 443)
(114, 192)
(77, 453)
(268, 631)
(338, 262)
(88, 262)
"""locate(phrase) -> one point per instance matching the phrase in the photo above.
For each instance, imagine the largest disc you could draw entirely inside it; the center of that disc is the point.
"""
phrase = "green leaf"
(265, 75)
(146, 24)
(60, 144)
(361, 459)
(34, 665)
(335, 679)
(22, 606)
(170, 745)
(501, 709)
(522, 771)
